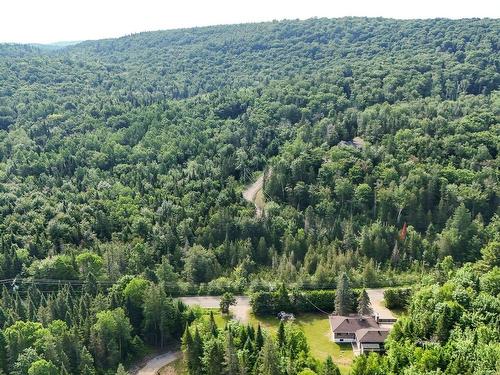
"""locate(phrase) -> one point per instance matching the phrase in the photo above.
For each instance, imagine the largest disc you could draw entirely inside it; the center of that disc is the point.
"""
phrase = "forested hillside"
(123, 162)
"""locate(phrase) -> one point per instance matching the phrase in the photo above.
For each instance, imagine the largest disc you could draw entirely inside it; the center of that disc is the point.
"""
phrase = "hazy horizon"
(53, 21)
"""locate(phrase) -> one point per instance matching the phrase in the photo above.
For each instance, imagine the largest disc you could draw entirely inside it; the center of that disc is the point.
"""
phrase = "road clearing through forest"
(154, 365)
(254, 194)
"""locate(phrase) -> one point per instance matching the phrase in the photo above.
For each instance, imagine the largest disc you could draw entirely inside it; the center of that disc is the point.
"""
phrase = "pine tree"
(281, 335)
(230, 358)
(121, 370)
(197, 354)
(86, 362)
(329, 368)
(90, 285)
(259, 339)
(343, 296)
(269, 360)
(364, 304)
(3, 352)
(213, 358)
(262, 251)
(213, 325)
(188, 348)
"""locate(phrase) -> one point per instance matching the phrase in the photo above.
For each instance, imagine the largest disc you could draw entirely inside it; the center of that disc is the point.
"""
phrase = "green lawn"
(317, 330)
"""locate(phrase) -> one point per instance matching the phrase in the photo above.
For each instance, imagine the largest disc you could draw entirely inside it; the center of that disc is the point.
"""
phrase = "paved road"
(377, 300)
(154, 365)
(240, 311)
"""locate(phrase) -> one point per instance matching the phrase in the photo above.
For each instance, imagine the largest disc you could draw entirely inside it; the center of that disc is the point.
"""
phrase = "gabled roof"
(372, 335)
(350, 324)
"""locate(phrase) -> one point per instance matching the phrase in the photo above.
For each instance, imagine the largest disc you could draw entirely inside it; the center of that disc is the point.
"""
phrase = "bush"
(397, 298)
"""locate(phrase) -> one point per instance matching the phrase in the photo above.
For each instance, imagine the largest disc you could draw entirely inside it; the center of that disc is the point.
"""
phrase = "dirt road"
(251, 192)
(154, 365)
(240, 311)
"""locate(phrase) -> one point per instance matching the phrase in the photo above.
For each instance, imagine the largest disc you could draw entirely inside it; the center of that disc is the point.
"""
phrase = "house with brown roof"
(362, 331)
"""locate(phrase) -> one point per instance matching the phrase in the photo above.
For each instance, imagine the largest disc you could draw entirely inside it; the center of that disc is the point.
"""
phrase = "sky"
(47, 21)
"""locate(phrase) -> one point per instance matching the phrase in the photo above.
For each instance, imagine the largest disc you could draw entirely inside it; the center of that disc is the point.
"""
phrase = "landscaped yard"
(317, 330)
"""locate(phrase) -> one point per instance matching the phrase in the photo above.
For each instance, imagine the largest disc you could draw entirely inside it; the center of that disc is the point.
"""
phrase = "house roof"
(371, 335)
(351, 324)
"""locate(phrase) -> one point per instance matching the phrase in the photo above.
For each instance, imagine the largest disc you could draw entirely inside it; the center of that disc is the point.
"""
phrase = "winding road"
(154, 365)
(240, 312)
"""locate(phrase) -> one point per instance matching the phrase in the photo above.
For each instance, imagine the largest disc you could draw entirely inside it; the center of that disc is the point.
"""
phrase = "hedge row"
(271, 303)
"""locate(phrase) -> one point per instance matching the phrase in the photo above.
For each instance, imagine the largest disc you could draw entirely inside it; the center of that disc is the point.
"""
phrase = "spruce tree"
(231, 366)
(121, 370)
(259, 339)
(86, 362)
(281, 335)
(213, 358)
(343, 296)
(269, 360)
(197, 354)
(3, 352)
(330, 368)
(364, 304)
(213, 325)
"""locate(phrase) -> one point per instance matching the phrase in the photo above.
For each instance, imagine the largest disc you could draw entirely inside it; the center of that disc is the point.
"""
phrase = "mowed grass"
(316, 328)
(317, 331)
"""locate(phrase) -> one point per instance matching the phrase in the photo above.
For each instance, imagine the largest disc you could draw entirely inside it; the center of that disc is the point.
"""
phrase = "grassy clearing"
(317, 330)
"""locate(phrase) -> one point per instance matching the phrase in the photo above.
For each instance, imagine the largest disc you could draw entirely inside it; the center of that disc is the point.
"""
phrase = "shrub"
(397, 298)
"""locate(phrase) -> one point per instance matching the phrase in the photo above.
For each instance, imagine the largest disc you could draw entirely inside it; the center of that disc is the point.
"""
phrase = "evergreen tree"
(231, 365)
(269, 359)
(86, 362)
(364, 304)
(121, 370)
(213, 358)
(259, 339)
(281, 336)
(3, 352)
(343, 295)
(197, 354)
(330, 368)
(213, 326)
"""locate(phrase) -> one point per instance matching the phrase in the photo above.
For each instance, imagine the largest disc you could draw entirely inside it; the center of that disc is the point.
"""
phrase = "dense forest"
(123, 162)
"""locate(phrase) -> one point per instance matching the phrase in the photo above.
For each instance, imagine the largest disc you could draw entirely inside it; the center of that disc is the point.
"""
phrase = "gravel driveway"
(240, 311)
(377, 301)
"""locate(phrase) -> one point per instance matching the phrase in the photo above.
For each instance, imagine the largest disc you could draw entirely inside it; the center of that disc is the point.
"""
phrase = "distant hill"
(55, 45)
